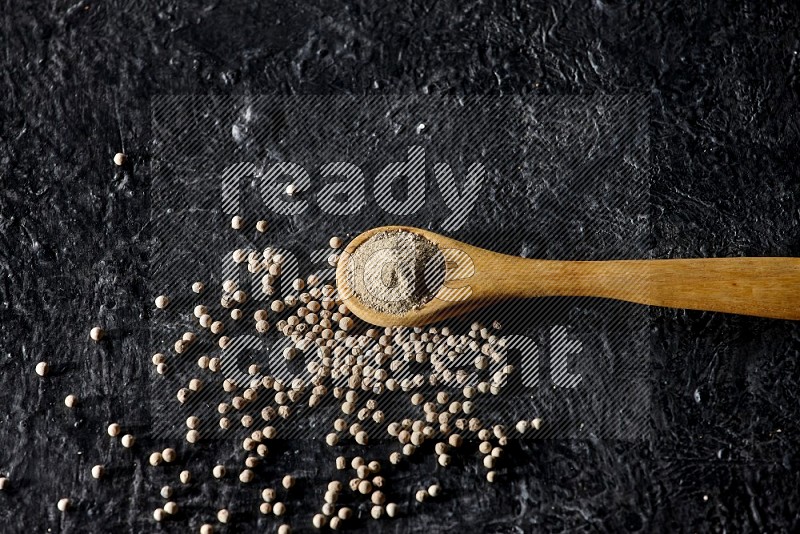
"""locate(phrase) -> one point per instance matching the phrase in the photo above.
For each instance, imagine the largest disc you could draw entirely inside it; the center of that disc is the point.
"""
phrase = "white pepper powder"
(396, 271)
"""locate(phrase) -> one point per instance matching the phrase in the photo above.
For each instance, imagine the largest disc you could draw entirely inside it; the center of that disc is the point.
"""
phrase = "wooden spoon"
(474, 277)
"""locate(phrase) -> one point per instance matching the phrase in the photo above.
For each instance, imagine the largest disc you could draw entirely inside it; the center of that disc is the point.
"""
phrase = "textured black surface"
(76, 78)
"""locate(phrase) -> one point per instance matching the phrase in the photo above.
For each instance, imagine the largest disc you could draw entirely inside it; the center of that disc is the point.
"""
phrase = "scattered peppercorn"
(98, 471)
(97, 333)
(42, 368)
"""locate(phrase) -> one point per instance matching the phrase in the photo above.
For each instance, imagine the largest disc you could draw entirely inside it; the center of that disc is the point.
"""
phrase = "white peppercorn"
(162, 301)
(378, 498)
(98, 471)
(246, 476)
(42, 368)
(97, 333)
(193, 436)
(362, 471)
(119, 159)
(128, 441)
(71, 401)
(218, 471)
(64, 504)
(268, 494)
(155, 459)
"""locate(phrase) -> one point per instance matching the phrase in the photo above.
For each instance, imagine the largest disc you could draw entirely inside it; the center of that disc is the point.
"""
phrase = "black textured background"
(76, 78)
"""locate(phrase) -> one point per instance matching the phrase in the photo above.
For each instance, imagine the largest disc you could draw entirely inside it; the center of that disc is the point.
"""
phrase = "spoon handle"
(764, 287)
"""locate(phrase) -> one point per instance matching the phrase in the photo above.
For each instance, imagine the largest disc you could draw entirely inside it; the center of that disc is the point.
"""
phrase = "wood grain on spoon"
(764, 287)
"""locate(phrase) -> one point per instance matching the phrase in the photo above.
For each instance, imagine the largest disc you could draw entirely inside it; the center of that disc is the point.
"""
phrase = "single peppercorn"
(42, 368)
(219, 471)
(97, 333)
(98, 471)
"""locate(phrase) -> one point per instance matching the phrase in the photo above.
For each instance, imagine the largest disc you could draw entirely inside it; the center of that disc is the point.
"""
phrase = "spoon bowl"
(475, 277)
